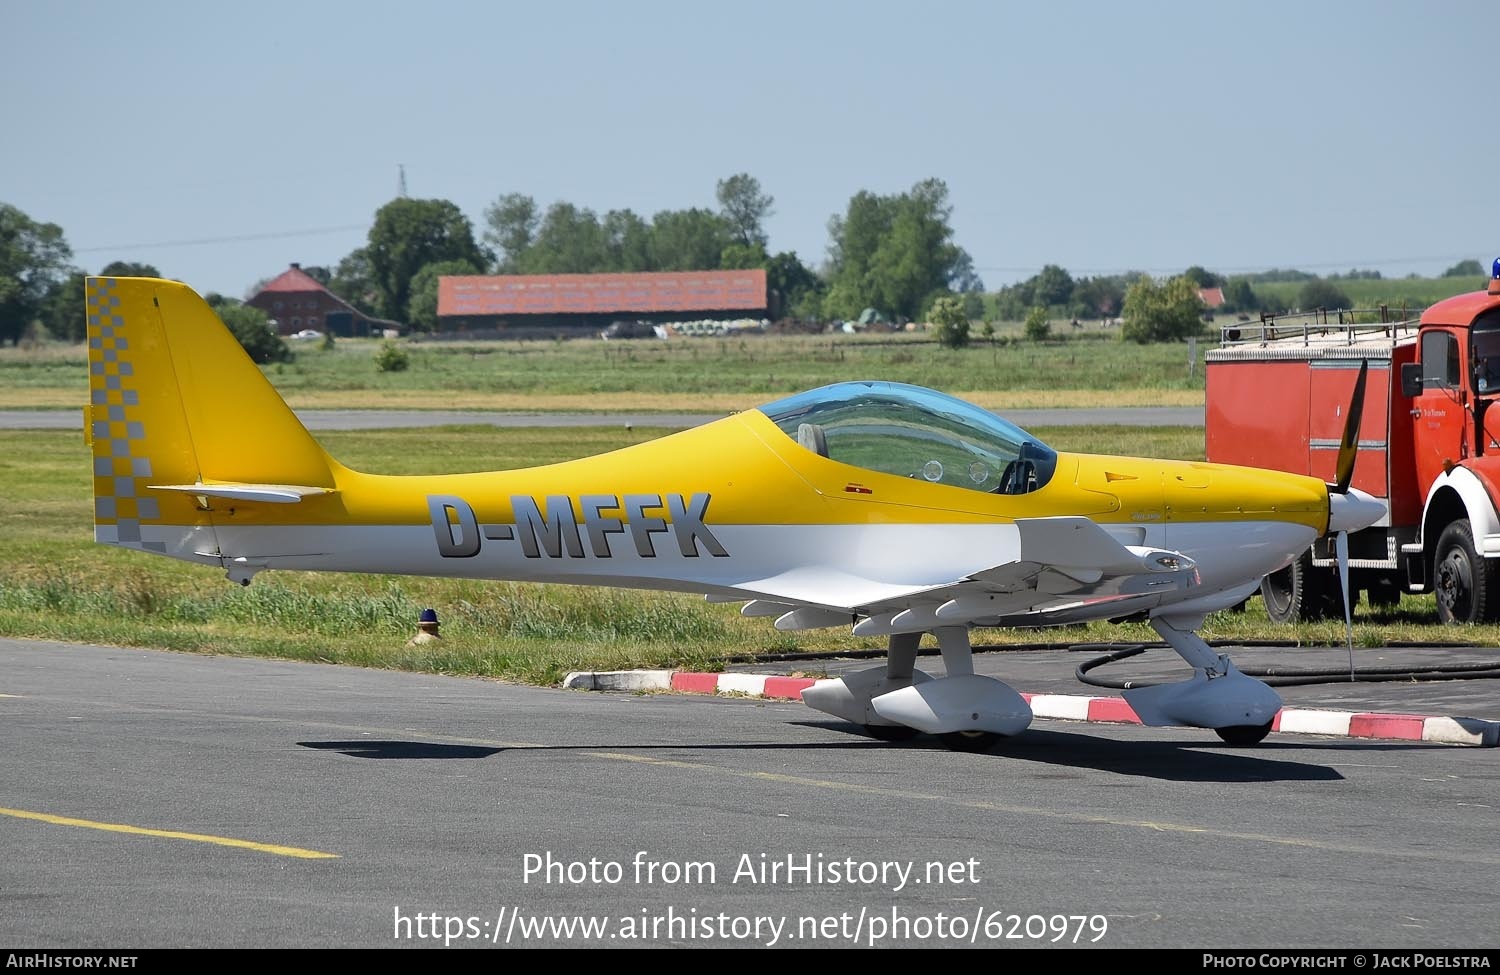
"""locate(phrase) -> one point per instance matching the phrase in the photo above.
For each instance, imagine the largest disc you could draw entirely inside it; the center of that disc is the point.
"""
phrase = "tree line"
(891, 254)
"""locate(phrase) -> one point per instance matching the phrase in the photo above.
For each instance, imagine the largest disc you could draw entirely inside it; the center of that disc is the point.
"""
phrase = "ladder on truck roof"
(1322, 328)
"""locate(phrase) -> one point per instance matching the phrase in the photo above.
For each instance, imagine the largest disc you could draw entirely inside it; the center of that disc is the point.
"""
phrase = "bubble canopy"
(911, 431)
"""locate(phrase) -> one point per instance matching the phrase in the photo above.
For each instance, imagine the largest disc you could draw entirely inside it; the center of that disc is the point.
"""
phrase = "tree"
(893, 253)
(129, 269)
(1319, 293)
(1202, 278)
(973, 304)
(318, 273)
(792, 285)
(1464, 269)
(738, 257)
(569, 240)
(1053, 286)
(407, 236)
(688, 240)
(1163, 312)
(253, 330)
(1098, 297)
(962, 278)
(424, 291)
(627, 242)
(64, 312)
(354, 281)
(1038, 328)
(1239, 296)
(33, 264)
(950, 324)
(1011, 303)
(744, 208)
(512, 221)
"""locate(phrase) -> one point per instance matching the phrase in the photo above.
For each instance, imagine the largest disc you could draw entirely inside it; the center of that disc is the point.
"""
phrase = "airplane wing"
(1064, 562)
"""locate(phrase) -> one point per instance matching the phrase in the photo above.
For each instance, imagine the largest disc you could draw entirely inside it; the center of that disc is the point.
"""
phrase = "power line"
(241, 238)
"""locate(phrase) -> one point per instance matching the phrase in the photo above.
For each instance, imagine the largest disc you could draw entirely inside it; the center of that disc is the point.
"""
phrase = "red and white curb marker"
(1115, 710)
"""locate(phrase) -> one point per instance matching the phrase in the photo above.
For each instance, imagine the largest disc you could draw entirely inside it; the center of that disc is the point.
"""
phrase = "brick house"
(295, 301)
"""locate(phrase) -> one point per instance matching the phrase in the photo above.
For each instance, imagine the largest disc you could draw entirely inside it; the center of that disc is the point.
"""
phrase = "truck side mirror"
(1411, 379)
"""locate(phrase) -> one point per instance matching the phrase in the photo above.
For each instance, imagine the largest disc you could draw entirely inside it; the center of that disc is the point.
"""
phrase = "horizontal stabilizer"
(270, 493)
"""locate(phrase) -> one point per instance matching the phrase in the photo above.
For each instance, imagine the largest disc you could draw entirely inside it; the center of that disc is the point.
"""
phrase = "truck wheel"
(1465, 583)
(1299, 592)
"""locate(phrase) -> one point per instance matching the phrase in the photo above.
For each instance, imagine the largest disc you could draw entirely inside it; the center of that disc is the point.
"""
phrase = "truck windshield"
(911, 431)
(1485, 335)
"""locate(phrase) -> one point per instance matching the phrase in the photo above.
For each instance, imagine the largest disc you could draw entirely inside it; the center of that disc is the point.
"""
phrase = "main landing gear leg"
(900, 666)
(849, 697)
(967, 711)
(1239, 709)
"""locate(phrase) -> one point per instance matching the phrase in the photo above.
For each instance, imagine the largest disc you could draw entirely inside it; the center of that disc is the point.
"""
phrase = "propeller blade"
(1341, 548)
(1349, 445)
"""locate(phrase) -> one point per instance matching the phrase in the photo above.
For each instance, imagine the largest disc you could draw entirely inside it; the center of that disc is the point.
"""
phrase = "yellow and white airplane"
(893, 509)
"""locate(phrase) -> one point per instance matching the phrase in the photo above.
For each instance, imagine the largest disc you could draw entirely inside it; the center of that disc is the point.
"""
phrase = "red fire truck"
(1275, 392)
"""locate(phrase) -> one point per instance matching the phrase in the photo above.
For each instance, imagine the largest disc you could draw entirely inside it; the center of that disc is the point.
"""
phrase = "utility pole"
(401, 182)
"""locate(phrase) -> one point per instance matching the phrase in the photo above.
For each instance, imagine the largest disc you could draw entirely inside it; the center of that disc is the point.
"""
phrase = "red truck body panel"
(1284, 410)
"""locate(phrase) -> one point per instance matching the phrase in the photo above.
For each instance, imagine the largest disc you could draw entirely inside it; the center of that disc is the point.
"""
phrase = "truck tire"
(1301, 592)
(1465, 583)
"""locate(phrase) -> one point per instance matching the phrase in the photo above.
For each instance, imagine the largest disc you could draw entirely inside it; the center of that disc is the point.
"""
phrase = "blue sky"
(1320, 134)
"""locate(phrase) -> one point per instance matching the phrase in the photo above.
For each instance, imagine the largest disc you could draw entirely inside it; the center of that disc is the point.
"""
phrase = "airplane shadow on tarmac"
(1171, 760)
(369, 748)
(1177, 761)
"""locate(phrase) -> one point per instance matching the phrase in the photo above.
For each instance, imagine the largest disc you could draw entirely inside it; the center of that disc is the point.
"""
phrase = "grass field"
(1083, 367)
(56, 583)
(689, 374)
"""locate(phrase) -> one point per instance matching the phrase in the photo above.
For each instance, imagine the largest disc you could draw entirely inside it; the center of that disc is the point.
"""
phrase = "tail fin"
(179, 415)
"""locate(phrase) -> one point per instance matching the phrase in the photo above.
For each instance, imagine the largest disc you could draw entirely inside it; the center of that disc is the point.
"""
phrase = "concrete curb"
(1109, 710)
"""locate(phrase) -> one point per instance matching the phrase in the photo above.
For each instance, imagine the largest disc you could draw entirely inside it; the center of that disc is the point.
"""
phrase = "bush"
(1322, 294)
(950, 324)
(390, 357)
(1038, 328)
(1165, 312)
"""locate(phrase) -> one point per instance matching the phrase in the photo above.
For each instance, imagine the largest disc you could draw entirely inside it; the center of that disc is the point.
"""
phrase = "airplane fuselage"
(675, 514)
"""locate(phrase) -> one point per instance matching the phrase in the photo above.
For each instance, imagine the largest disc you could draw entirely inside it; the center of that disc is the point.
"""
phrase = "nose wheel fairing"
(1217, 696)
